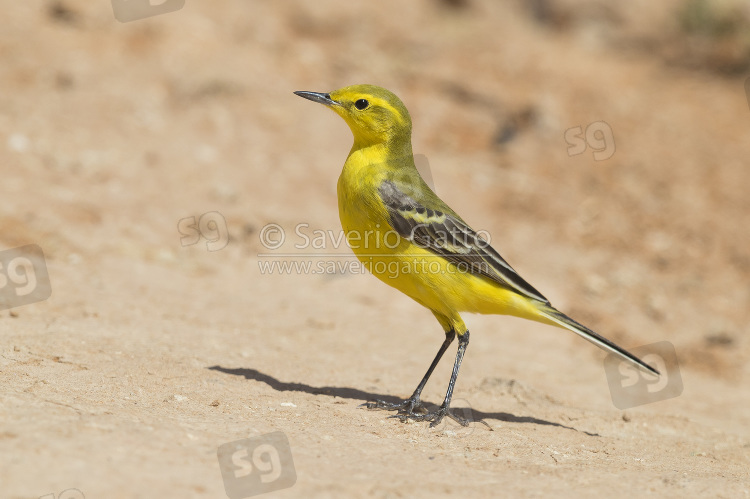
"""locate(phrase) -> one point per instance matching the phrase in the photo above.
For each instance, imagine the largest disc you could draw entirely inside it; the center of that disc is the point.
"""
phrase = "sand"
(121, 142)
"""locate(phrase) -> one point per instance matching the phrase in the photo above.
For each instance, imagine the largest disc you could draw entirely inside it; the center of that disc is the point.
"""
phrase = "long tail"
(563, 320)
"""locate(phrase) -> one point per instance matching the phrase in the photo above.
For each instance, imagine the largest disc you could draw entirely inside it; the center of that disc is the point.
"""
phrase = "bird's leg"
(408, 406)
(444, 410)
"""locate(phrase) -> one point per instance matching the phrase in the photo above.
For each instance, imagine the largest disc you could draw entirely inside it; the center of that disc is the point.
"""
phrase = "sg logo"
(598, 136)
(66, 494)
(257, 465)
(211, 225)
(23, 277)
(631, 386)
(132, 10)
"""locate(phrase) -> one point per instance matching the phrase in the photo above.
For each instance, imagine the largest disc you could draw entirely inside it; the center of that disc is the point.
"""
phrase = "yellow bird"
(410, 239)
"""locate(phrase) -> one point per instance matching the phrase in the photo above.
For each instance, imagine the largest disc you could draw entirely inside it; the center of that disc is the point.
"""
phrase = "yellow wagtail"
(435, 257)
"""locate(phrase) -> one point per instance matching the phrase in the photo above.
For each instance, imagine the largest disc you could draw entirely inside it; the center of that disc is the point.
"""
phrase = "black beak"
(318, 97)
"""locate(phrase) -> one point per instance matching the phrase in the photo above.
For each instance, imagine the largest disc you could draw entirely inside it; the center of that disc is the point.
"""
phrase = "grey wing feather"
(448, 236)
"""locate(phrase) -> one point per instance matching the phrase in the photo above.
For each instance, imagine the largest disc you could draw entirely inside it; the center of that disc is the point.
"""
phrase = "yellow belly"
(425, 277)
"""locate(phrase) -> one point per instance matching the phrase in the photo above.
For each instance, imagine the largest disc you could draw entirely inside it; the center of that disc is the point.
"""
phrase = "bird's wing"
(445, 234)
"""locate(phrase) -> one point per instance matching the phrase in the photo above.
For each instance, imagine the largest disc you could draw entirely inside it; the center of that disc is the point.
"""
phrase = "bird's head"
(374, 114)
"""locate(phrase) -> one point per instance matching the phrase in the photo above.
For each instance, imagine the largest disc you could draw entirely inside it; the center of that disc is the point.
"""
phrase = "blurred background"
(112, 133)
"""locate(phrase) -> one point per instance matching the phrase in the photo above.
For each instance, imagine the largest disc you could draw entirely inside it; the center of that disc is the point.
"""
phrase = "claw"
(435, 418)
(412, 409)
(408, 406)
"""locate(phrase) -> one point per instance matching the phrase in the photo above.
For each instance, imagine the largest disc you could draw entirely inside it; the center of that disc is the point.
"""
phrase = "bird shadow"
(356, 394)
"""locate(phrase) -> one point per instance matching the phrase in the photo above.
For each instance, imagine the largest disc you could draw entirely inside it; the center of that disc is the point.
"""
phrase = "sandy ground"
(152, 352)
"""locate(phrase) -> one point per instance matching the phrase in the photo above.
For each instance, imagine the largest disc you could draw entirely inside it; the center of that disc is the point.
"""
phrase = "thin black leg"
(463, 342)
(448, 340)
(414, 403)
(444, 410)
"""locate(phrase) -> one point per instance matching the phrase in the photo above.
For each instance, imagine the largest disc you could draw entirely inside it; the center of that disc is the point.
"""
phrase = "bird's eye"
(361, 104)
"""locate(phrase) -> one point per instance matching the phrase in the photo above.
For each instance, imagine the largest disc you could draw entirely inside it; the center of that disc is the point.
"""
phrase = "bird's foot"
(435, 417)
(412, 405)
(412, 409)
